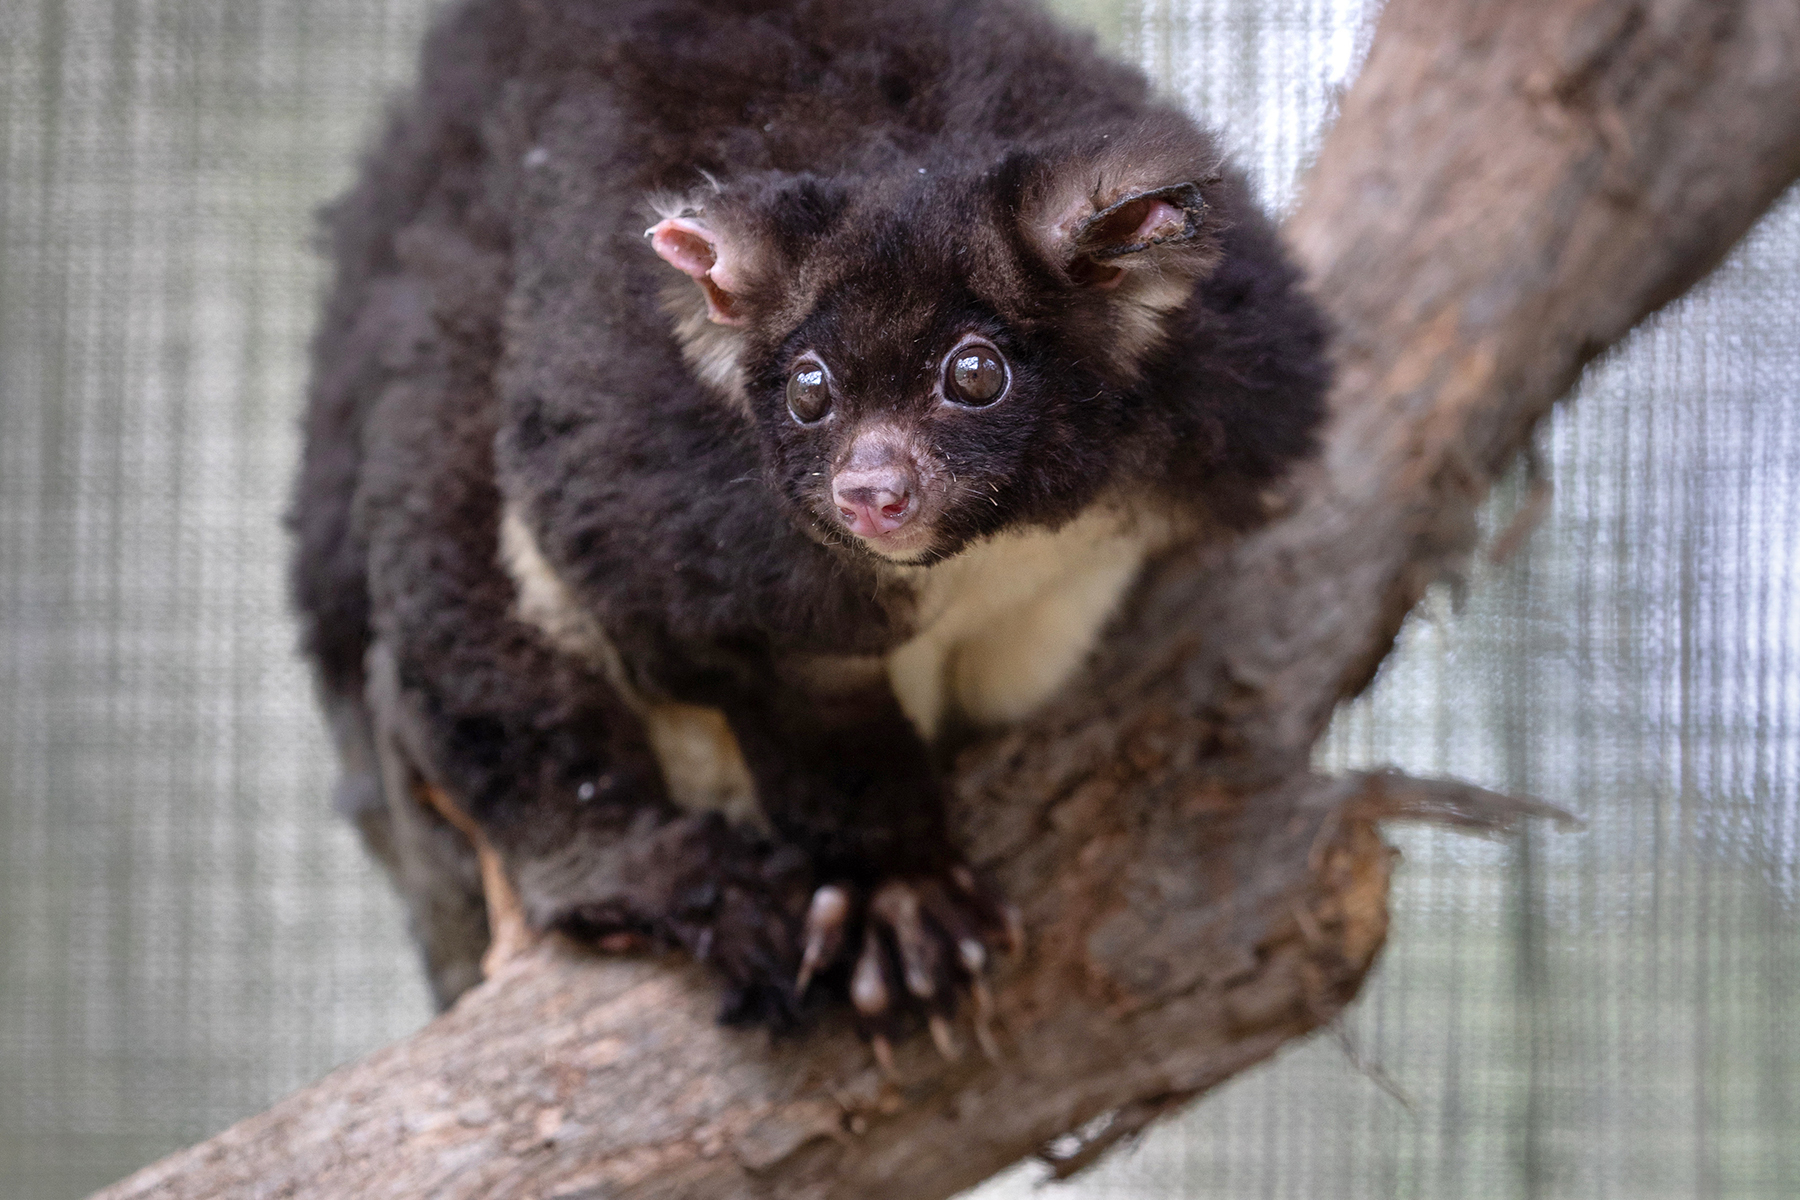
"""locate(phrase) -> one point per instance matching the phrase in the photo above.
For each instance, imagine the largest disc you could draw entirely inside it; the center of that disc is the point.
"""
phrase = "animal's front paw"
(724, 895)
(926, 940)
(744, 928)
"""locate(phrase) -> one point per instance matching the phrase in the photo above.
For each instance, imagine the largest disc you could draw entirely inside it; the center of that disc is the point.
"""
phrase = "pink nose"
(873, 502)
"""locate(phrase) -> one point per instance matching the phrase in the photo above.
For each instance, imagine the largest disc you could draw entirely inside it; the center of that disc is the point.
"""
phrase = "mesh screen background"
(186, 933)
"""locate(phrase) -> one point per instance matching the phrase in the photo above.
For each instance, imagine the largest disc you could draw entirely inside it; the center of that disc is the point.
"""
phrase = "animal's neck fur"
(1004, 624)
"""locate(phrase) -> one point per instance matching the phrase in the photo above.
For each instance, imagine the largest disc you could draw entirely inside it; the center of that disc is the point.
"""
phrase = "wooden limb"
(1075, 1152)
(573, 1075)
(1510, 187)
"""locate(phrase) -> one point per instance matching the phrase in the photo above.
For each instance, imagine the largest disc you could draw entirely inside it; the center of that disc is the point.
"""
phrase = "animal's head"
(931, 354)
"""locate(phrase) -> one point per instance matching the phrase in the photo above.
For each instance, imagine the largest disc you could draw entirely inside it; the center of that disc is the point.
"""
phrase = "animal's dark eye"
(975, 374)
(809, 392)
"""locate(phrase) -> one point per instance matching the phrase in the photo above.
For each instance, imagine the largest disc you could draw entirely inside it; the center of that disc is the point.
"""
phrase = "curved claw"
(972, 954)
(826, 918)
(1015, 928)
(943, 1037)
(897, 906)
(868, 983)
(984, 1020)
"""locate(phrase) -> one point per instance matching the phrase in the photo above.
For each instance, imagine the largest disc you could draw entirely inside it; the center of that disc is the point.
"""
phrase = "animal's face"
(910, 412)
(929, 357)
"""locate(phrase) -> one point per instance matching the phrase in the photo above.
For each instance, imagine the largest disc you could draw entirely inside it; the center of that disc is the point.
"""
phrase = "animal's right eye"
(809, 392)
(975, 374)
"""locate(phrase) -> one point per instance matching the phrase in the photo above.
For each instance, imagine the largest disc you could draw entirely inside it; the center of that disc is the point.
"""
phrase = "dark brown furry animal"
(663, 567)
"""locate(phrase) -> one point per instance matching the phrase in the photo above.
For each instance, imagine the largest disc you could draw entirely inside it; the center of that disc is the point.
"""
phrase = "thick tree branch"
(1510, 188)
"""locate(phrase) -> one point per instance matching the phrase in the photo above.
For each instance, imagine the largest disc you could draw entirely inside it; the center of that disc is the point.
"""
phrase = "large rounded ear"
(1135, 206)
(688, 244)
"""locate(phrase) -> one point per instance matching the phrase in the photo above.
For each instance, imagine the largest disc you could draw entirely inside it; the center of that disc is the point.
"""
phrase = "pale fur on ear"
(711, 346)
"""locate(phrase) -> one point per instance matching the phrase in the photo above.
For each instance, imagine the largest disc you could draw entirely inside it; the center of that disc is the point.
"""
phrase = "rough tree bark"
(1510, 187)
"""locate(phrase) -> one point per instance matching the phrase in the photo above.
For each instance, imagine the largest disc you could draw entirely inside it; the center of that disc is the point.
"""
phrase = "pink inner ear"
(688, 246)
(1138, 223)
(1163, 220)
(1135, 224)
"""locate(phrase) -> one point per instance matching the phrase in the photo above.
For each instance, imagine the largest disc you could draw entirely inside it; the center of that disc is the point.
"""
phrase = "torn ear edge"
(1101, 245)
(1099, 241)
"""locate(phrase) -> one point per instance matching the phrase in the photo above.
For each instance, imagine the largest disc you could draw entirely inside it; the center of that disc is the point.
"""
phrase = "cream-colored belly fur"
(1000, 628)
(1003, 625)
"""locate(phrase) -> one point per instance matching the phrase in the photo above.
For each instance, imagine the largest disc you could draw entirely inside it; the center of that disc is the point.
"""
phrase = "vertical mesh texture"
(186, 933)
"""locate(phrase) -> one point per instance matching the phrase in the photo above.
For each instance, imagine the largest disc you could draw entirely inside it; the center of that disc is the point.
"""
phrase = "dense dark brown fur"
(500, 336)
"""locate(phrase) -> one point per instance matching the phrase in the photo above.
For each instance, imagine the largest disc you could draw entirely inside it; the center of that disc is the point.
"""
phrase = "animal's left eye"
(975, 374)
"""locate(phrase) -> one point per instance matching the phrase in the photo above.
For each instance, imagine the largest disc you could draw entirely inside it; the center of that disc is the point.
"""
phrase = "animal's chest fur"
(998, 630)
(1003, 625)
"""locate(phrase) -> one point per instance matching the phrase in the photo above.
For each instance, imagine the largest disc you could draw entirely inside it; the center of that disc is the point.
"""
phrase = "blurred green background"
(186, 932)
